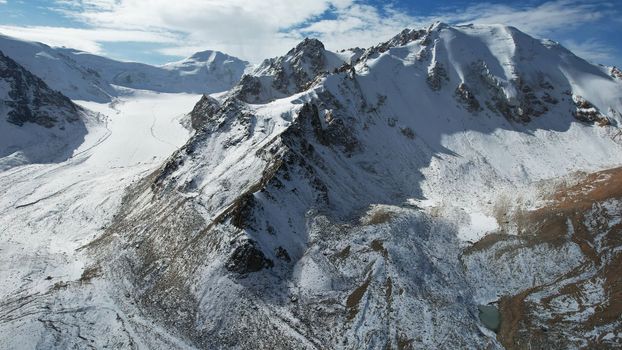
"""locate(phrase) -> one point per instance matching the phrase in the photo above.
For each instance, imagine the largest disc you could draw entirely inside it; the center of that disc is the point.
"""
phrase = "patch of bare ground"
(352, 303)
(575, 214)
(404, 343)
(89, 273)
(377, 216)
(486, 242)
(377, 246)
(343, 254)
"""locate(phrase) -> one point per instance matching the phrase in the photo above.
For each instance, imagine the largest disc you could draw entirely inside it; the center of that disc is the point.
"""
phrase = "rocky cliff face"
(29, 100)
(38, 124)
(380, 199)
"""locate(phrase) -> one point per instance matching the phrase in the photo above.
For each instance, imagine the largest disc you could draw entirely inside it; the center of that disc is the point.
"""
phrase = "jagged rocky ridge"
(286, 75)
(294, 217)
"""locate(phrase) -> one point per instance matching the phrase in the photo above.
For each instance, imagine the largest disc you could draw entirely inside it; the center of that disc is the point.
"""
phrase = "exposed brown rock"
(353, 300)
(588, 113)
(525, 323)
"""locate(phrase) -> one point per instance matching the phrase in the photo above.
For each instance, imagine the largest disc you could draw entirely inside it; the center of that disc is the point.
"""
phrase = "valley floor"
(48, 211)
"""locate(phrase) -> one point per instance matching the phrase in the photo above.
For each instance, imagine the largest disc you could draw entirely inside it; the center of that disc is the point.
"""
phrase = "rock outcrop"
(30, 100)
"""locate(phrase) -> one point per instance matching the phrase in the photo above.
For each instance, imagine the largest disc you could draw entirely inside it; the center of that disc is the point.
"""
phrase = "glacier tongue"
(51, 211)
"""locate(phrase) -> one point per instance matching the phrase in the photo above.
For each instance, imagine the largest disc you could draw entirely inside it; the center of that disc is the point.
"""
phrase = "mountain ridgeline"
(84, 76)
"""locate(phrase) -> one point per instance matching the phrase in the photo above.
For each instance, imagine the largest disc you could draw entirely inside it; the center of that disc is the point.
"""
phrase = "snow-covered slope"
(49, 211)
(83, 76)
(37, 124)
(377, 199)
(327, 200)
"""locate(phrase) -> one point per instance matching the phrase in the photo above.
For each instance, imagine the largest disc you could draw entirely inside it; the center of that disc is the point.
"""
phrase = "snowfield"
(49, 211)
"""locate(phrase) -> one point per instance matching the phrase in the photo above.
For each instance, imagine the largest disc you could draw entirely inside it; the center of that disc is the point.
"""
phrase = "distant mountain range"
(84, 76)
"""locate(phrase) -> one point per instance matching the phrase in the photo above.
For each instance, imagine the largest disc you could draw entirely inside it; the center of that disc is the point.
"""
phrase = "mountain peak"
(438, 25)
(205, 55)
(309, 47)
(83, 76)
(211, 56)
(308, 44)
(285, 75)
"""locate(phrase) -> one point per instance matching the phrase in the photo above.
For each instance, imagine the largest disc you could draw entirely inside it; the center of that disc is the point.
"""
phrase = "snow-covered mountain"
(410, 195)
(333, 200)
(83, 76)
(37, 124)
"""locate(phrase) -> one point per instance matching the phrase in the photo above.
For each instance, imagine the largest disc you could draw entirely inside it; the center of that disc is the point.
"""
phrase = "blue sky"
(159, 31)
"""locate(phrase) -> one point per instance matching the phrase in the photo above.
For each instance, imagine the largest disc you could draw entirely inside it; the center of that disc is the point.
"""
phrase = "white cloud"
(354, 25)
(358, 25)
(255, 30)
(247, 28)
(591, 50)
(84, 39)
(537, 20)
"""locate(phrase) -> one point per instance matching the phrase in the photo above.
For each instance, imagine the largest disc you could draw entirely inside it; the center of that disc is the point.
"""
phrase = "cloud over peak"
(255, 30)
